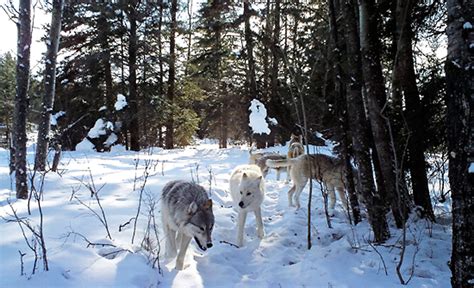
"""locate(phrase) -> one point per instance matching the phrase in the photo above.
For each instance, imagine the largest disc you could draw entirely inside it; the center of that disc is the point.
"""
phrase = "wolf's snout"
(209, 245)
(241, 204)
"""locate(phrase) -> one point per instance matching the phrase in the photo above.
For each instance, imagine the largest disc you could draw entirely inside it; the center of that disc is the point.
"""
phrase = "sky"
(9, 33)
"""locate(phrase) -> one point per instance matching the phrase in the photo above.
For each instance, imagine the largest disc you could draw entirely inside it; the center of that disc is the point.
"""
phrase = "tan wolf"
(324, 168)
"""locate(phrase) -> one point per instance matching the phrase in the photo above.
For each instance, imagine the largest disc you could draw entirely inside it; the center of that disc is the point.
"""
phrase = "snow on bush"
(54, 118)
(100, 128)
(257, 121)
(111, 140)
(121, 102)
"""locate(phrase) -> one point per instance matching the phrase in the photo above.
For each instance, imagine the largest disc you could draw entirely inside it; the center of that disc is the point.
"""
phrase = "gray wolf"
(187, 211)
(324, 168)
(247, 189)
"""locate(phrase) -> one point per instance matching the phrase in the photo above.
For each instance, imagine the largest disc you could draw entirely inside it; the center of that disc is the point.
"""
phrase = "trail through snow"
(340, 256)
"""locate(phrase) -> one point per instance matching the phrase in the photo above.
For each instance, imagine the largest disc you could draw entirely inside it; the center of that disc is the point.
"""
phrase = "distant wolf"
(324, 168)
(247, 189)
(260, 158)
(187, 210)
(262, 164)
(295, 149)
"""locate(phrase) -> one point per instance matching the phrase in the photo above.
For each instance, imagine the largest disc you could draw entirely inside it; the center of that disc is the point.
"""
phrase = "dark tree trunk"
(104, 30)
(171, 76)
(21, 98)
(134, 127)
(252, 92)
(160, 78)
(404, 75)
(460, 120)
(340, 95)
(376, 97)
(359, 126)
(49, 86)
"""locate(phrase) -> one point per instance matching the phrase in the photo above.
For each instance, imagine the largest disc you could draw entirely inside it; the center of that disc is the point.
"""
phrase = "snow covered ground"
(340, 257)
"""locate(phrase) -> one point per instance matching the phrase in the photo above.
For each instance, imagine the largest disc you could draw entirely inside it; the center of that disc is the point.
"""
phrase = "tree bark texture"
(359, 126)
(405, 81)
(459, 69)
(134, 126)
(49, 86)
(376, 98)
(169, 141)
(21, 97)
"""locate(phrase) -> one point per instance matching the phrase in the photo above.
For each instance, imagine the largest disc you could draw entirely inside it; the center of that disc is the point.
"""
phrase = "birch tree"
(49, 85)
(21, 98)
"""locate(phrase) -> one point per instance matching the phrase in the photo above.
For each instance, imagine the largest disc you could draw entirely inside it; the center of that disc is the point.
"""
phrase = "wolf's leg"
(288, 174)
(258, 218)
(170, 234)
(182, 251)
(240, 232)
(290, 195)
(298, 191)
(342, 196)
(278, 174)
(332, 198)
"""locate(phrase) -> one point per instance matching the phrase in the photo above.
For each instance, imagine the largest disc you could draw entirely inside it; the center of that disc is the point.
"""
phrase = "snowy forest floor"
(341, 256)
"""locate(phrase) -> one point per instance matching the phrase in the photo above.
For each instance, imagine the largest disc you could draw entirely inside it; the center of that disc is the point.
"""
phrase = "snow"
(111, 139)
(467, 25)
(85, 145)
(121, 102)
(55, 117)
(99, 128)
(471, 167)
(257, 116)
(340, 257)
(102, 108)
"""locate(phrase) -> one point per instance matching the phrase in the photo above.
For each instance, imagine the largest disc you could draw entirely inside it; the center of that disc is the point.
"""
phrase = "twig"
(228, 243)
(380, 255)
(121, 226)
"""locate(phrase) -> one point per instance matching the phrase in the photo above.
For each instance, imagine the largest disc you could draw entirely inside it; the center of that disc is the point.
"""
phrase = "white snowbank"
(85, 145)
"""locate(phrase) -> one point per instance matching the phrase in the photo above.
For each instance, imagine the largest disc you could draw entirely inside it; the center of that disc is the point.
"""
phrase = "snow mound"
(121, 102)
(257, 121)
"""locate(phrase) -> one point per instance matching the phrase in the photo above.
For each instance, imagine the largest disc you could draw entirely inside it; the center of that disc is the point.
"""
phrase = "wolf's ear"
(192, 208)
(207, 205)
(244, 176)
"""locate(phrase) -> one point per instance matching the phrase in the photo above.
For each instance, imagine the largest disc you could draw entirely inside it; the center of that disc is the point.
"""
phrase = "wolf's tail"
(279, 163)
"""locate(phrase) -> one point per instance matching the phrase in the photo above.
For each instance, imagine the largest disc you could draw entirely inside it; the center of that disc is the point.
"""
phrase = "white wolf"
(326, 169)
(247, 189)
(186, 209)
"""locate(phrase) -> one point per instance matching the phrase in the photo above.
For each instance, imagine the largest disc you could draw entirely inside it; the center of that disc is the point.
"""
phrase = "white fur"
(247, 187)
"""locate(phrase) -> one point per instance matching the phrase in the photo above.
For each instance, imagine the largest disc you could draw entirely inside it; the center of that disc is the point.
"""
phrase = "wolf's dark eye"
(240, 192)
(202, 229)
(248, 194)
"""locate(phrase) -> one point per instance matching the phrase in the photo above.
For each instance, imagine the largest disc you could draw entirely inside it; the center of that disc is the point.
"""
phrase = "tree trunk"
(160, 78)
(460, 119)
(359, 126)
(252, 92)
(134, 127)
(49, 86)
(376, 97)
(104, 30)
(171, 78)
(404, 74)
(21, 98)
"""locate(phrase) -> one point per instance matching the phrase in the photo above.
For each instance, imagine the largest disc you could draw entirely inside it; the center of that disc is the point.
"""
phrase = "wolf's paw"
(260, 234)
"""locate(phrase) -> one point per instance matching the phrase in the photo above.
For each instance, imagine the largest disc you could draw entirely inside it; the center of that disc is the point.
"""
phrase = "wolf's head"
(200, 224)
(249, 190)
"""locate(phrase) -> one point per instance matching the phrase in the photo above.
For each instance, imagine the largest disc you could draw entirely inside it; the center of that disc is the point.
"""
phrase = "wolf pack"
(186, 208)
